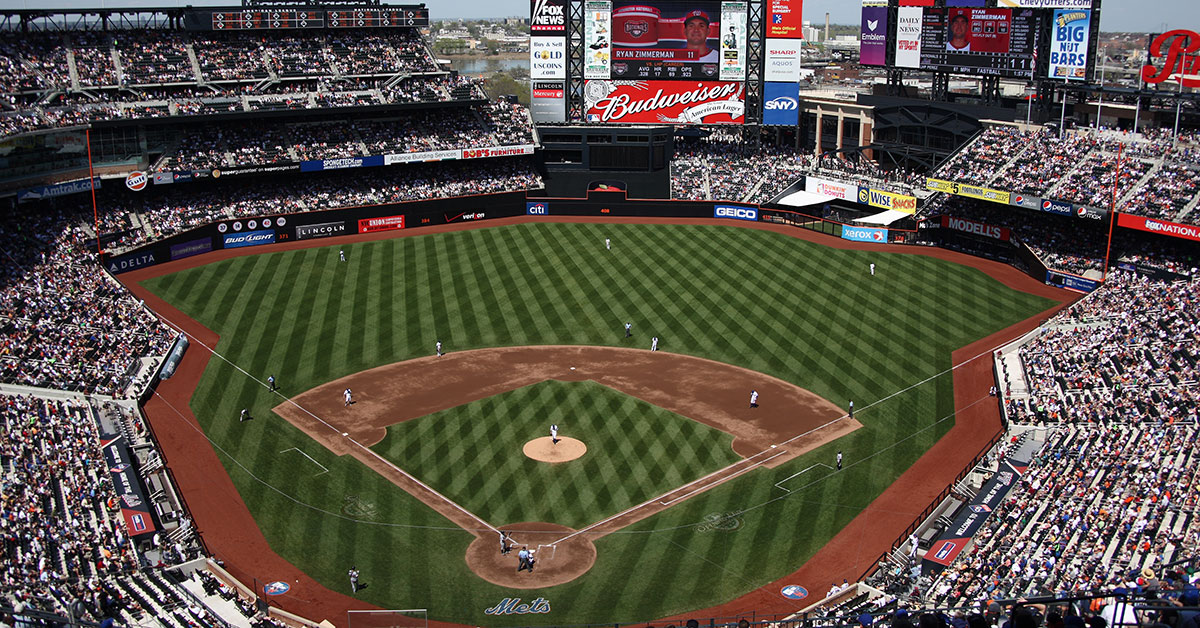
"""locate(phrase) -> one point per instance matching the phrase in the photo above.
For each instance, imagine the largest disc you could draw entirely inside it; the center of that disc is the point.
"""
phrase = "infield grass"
(796, 310)
(636, 451)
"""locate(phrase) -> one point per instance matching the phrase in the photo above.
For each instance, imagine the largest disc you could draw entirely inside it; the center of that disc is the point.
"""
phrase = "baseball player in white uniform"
(349, 398)
(554, 433)
(753, 398)
(607, 244)
(654, 343)
(342, 254)
(628, 330)
(839, 461)
(872, 269)
(438, 348)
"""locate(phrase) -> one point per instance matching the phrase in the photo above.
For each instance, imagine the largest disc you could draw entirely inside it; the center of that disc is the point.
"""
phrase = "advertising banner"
(193, 247)
(163, 178)
(782, 60)
(1174, 229)
(872, 49)
(497, 151)
(971, 519)
(548, 101)
(1174, 50)
(733, 41)
(537, 208)
(320, 230)
(670, 39)
(385, 223)
(57, 189)
(969, 191)
(664, 102)
(884, 199)
(734, 212)
(1057, 207)
(977, 228)
(136, 180)
(836, 189)
(1071, 282)
(548, 17)
(548, 58)
(1069, 48)
(785, 19)
(863, 234)
(135, 510)
(1028, 202)
(339, 164)
(781, 104)
(429, 155)
(248, 238)
(133, 261)
(908, 37)
(1090, 213)
(1046, 4)
(597, 40)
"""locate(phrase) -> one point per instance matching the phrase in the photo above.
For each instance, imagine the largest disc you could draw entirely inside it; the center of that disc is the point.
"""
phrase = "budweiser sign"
(665, 102)
(1179, 57)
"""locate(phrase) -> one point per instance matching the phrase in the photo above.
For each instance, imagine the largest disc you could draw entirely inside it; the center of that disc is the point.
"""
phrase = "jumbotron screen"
(961, 40)
(665, 40)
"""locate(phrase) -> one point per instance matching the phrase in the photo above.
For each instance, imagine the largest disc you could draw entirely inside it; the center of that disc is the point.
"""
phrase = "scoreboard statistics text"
(270, 19)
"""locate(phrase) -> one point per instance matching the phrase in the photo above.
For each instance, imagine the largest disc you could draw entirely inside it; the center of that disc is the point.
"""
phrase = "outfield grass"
(636, 451)
(795, 310)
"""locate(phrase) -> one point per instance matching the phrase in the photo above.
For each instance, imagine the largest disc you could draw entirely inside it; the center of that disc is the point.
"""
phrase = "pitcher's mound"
(544, 450)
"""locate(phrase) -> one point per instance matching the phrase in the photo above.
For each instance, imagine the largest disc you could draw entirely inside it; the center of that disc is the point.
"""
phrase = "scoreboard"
(271, 19)
(993, 41)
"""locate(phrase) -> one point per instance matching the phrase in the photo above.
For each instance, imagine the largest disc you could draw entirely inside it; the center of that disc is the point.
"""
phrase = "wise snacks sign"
(1174, 53)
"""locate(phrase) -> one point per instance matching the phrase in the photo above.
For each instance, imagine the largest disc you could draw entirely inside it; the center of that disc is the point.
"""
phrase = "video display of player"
(673, 39)
(979, 41)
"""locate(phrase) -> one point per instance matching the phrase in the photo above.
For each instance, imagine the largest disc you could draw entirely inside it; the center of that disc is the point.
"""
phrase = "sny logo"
(783, 103)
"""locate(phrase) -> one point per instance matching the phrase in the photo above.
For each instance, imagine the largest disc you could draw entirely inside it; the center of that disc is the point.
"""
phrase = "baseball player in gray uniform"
(554, 433)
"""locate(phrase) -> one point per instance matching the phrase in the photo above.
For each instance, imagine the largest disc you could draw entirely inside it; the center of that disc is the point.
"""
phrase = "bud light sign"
(249, 238)
(537, 209)
(737, 213)
(859, 234)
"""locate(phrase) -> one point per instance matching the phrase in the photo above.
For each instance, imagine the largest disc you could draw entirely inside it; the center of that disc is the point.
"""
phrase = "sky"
(1116, 15)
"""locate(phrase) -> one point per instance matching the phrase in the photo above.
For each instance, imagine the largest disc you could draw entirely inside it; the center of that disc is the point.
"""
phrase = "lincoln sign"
(1177, 49)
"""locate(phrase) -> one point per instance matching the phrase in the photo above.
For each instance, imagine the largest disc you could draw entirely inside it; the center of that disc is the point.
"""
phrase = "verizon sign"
(665, 102)
(977, 228)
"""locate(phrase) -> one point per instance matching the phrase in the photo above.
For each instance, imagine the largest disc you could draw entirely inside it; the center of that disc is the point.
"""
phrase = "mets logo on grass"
(859, 234)
(737, 213)
(514, 606)
(537, 209)
(278, 587)
(794, 592)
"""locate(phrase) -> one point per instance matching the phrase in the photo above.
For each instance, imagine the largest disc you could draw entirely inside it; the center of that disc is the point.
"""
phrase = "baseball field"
(430, 459)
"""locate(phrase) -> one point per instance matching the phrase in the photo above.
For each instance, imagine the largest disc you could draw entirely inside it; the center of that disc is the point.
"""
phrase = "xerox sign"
(859, 234)
(737, 213)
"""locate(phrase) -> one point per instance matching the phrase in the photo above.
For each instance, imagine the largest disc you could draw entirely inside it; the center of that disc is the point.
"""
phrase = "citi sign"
(783, 103)
(537, 209)
(737, 213)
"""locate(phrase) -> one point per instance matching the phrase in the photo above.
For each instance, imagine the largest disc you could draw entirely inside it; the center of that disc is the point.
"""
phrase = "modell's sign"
(665, 102)
(977, 228)
(1177, 49)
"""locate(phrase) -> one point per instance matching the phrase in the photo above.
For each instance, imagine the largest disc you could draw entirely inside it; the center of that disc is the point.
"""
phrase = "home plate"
(572, 368)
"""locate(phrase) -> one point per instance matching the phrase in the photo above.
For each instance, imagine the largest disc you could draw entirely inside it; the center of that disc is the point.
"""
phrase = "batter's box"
(310, 459)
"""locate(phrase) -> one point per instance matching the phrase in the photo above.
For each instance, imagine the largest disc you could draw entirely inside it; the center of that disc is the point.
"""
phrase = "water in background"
(484, 65)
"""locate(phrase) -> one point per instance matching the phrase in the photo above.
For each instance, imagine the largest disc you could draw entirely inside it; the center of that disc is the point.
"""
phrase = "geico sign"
(740, 213)
(783, 103)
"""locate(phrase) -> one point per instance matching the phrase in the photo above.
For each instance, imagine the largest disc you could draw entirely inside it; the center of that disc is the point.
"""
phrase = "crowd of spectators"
(1081, 167)
(150, 73)
(1099, 507)
(232, 145)
(61, 523)
(182, 208)
(1127, 353)
(66, 324)
(1061, 243)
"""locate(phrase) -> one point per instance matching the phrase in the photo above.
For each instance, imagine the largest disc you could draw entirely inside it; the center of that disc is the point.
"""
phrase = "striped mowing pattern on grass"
(472, 453)
(792, 309)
